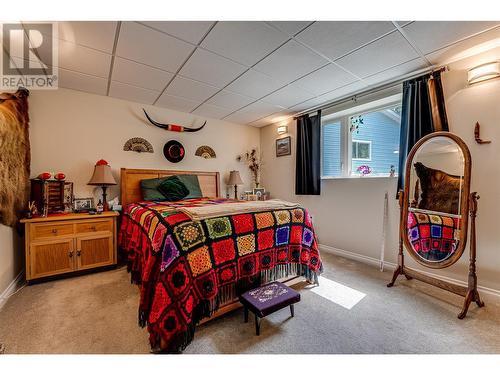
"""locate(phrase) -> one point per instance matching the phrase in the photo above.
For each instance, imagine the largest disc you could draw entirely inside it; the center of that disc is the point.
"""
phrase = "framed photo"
(283, 146)
(68, 196)
(83, 204)
(259, 192)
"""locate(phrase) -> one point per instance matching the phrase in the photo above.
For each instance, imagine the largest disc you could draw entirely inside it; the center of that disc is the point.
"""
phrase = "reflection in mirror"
(433, 237)
(436, 179)
(434, 214)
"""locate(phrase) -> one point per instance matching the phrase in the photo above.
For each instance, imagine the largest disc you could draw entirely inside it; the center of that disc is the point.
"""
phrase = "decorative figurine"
(99, 207)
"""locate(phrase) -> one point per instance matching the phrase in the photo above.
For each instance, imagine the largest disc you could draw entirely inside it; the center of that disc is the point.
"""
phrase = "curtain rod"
(372, 90)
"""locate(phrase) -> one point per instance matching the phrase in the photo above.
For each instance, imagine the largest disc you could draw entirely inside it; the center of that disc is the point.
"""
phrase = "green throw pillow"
(173, 189)
(149, 189)
(192, 184)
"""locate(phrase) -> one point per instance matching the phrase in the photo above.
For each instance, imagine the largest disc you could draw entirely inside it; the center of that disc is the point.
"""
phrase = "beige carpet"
(97, 313)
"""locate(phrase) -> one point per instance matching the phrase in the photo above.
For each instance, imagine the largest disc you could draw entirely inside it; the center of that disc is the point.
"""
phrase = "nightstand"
(60, 244)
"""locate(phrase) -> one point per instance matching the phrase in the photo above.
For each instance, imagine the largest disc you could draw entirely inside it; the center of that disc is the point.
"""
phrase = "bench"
(267, 299)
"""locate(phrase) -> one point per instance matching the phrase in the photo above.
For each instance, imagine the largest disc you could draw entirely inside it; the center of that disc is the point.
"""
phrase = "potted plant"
(253, 161)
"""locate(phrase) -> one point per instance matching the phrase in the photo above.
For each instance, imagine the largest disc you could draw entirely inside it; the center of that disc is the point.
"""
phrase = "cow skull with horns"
(172, 127)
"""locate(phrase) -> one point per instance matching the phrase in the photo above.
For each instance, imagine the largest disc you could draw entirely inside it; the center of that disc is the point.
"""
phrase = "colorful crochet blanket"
(187, 269)
(433, 237)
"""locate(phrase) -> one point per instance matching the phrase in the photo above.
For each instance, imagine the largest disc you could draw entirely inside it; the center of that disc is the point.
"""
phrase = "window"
(331, 155)
(362, 141)
(361, 150)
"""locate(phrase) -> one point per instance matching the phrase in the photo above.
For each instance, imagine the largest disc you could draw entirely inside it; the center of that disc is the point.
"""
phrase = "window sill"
(357, 177)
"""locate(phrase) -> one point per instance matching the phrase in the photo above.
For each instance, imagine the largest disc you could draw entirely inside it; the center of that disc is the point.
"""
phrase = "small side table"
(267, 299)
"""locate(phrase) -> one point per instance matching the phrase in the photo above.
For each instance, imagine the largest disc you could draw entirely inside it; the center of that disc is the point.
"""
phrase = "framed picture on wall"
(283, 146)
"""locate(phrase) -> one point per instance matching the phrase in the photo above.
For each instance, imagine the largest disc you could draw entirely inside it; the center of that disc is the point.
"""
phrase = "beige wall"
(348, 214)
(71, 130)
(11, 257)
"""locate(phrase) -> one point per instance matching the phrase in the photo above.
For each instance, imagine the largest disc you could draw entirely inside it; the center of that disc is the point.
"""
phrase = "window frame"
(344, 118)
(358, 141)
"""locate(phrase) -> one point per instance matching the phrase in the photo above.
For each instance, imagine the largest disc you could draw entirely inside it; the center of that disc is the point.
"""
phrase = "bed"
(192, 270)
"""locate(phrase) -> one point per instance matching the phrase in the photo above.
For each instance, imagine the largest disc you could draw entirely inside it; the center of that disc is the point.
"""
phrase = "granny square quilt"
(187, 269)
(433, 237)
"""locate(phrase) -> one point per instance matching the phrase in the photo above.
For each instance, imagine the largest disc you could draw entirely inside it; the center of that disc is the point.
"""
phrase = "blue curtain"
(308, 156)
(423, 112)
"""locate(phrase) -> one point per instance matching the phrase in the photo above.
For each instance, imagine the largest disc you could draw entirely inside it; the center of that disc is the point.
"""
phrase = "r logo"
(29, 55)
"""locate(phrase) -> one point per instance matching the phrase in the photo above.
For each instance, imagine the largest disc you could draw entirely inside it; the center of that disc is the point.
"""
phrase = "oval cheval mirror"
(435, 207)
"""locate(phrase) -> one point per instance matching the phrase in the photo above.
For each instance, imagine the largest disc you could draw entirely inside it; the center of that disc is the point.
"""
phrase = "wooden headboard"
(130, 186)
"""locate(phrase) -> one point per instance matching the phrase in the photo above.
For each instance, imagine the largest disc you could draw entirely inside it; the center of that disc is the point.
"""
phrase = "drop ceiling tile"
(140, 75)
(290, 27)
(94, 34)
(82, 82)
(253, 112)
(142, 44)
(211, 111)
(466, 48)
(382, 54)
(432, 35)
(351, 88)
(190, 31)
(336, 38)
(254, 84)
(210, 68)
(245, 42)
(396, 72)
(177, 103)
(403, 23)
(272, 119)
(132, 93)
(326, 79)
(288, 96)
(289, 62)
(311, 103)
(190, 89)
(84, 60)
(230, 100)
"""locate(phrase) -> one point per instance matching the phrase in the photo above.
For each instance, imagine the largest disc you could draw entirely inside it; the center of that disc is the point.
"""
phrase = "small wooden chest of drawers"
(67, 243)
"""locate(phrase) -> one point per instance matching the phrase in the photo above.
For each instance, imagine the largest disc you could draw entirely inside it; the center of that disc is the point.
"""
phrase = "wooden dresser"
(67, 243)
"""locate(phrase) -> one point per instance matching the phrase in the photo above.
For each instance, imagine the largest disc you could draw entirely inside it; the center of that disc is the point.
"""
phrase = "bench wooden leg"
(246, 314)
(257, 325)
(292, 310)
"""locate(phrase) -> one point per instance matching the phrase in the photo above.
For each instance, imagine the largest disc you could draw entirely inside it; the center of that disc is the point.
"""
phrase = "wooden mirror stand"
(468, 208)
(470, 292)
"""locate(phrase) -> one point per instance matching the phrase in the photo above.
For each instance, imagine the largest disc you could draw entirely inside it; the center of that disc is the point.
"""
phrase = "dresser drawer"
(44, 231)
(95, 226)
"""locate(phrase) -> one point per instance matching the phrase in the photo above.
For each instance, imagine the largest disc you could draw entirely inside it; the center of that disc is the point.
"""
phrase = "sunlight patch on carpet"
(337, 293)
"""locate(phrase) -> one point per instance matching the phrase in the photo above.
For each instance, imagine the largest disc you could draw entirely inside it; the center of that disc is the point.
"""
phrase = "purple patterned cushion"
(269, 298)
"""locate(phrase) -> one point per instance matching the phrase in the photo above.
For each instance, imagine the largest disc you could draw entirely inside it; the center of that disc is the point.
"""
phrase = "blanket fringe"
(143, 265)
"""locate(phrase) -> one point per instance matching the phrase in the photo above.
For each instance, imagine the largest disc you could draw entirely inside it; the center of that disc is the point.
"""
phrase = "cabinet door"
(94, 251)
(51, 258)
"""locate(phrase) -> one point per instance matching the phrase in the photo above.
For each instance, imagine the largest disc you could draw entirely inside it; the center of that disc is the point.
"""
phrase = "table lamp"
(102, 177)
(235, 179)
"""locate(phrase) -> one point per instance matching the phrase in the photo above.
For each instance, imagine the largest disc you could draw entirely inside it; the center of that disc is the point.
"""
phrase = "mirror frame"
(464, 199)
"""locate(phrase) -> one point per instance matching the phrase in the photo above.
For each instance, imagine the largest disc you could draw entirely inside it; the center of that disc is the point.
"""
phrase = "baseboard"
(4, 296)
(389, 265)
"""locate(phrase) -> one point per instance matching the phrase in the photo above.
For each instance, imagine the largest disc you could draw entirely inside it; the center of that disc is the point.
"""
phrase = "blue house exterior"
(380, 128)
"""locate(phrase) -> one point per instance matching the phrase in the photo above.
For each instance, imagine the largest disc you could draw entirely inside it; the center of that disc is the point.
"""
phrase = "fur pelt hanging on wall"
(14, 156)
